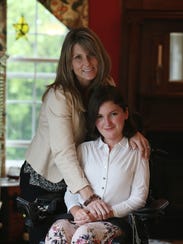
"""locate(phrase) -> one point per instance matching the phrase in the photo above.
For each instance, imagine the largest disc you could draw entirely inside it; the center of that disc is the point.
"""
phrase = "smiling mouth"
(88, 70)
(108, 129)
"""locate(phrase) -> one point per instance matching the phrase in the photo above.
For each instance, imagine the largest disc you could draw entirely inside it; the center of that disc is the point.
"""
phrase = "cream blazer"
(52, 152)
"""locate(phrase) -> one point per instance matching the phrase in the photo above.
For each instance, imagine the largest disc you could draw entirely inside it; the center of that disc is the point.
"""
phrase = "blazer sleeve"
(62, 141)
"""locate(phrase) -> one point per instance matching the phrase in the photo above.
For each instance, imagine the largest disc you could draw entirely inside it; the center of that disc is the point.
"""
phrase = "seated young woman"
(118, 174)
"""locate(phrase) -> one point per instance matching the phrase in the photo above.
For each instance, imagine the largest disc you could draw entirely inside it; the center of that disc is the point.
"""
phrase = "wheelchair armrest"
(43, 208)
(152, 209)
(29, 210)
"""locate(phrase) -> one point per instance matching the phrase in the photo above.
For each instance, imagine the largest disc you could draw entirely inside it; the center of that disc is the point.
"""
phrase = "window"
(176, 57)
(31, 66)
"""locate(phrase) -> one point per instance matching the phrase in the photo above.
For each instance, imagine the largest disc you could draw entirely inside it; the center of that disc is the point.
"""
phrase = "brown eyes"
(80, 57)
(77, 57)
(113, 114)
(99, 116)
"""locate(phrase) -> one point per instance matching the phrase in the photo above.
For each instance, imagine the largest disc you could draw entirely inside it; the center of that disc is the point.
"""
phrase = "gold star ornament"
(21, 28)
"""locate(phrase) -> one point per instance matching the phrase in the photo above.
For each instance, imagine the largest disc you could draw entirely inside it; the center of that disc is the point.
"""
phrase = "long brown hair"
(65, 77)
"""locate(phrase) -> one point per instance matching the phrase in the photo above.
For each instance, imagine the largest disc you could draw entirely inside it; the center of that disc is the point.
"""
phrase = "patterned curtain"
(2, 84)
(72, 13)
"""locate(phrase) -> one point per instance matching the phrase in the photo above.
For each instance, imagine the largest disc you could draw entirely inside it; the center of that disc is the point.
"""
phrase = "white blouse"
(120, 176)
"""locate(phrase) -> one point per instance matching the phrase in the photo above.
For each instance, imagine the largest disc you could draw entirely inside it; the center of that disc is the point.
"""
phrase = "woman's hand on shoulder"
(140, 142)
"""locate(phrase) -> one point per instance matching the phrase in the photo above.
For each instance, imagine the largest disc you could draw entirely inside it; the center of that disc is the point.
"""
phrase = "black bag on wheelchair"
(42, 208)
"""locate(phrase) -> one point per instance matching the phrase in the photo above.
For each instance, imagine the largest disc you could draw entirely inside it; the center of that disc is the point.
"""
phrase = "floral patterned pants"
(65, 232)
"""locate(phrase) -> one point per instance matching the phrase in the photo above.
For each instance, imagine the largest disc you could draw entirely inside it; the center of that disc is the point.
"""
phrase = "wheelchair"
(41, 213)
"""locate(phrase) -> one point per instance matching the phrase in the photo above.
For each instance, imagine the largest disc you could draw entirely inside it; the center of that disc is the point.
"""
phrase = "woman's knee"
(84, 233)
(61, 231)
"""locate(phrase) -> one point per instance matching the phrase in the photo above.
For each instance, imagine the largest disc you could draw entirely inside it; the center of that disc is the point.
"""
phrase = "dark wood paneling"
(162, 113)
(147, 89)
(12, 221)
(154, 4)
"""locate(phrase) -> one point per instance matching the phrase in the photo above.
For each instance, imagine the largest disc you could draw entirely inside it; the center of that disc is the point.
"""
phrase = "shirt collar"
(122, 143)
